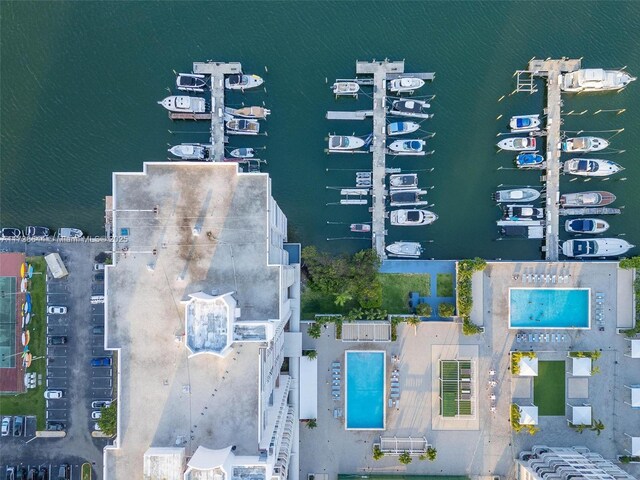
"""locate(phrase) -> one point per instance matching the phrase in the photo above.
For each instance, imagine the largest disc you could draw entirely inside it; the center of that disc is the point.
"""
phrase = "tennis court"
(7, 322)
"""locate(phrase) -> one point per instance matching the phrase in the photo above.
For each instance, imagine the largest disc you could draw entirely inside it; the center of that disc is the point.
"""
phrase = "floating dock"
(589, 211)
(357, 115)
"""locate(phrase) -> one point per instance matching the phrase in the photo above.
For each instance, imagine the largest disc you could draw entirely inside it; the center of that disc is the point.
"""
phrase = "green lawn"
(313, 302)
(444, 285)
(549, 387)
(32, 401)
(396, 288)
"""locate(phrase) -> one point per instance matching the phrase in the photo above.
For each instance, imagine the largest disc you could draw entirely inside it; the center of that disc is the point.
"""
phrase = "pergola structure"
(581, 367)
(580, 415)
(635, 446)
(528, 414)
(528, 366)
(398, 445)
(634, 348)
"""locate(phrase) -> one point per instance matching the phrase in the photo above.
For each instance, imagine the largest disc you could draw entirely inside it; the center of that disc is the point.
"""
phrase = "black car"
(33, 231)
(10, 232)
(99, 277)
(99, 330)
(18, 423)
(57, 340)
(42, 474)
(22, 473)
(55, 426)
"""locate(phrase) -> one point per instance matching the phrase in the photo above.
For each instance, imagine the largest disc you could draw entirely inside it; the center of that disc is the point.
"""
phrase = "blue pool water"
(365, 390)
(549, 308)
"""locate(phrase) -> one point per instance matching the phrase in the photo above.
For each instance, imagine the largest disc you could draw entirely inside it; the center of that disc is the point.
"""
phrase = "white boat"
(401, 128)
(408, 147)
(410, 108)
(405, 84)
(516, 195)
(591, 168)
(595, 80)
(243, 127)
(184, 104)
(597, 198)
(403, 180)
(242, 153)
(401, 198)
(596, 247)
(191, 82)
(586, 225)
(523, 212)
(9, 232)
(248, 112)
(190, 151)
(412, 218)
(242, 82)
(68, 232)
(530, 161)
(405, 249)
(344, 142)
(520, 144)
(525, 123)
(584, 144)
(345, 88)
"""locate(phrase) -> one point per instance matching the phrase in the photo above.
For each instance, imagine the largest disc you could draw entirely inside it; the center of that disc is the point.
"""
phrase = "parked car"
(56, 310)
(96, 427)
(6, 423)
(96, 415)
(18, 424)
(52, 394)
(98, 267)
(55, 426)
(33, 474)
(99, 330)
(99, 277)
(22, 473)
(42, 474)
(64, 472)
(57, 340)
(101, 362)
(100, 403)
(11, 473)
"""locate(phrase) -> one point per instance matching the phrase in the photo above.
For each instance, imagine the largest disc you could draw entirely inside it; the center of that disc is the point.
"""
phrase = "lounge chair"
(397, 403)
(395, 395)
(390, 403)
(531, 338)
(553, 279)
(336, 364)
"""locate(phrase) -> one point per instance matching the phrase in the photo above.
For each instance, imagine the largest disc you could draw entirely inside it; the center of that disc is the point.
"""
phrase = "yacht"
(594, 80)
(34, 231)
(9, 232)
(405, 84)
(190, 82)
(190, 151)
(401, 198)
(184, 104)
(68, 232)
(520, 144)
(360, 227)
(248, 112)
(525, 123)
(399, 181)
(523, 212)
(530, 161)
(405, 249)
(584, 144)
(410, 108)
(597, 198)
(407, 147)
(596, 247)
(242, 153)
(401, 128)
(591, 168)
(412, 218)
(242, 82)
(243, 127)
(345, 88)
(586, 225)
(516, 195)
(344, 142)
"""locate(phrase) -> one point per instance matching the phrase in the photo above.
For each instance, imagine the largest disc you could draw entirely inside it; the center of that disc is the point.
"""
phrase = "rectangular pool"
(560, 308)
(365, 390)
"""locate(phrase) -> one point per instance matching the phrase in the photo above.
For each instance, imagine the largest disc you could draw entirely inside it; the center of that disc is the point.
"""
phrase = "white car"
(6, 423)
(52, 394)
(96, 427)
(98, 267)
(56, 310)
(96, 415)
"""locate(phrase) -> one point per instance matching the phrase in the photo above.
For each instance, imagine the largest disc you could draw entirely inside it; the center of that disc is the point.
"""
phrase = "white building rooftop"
(528, 366)
(528, 414)
(580, 367)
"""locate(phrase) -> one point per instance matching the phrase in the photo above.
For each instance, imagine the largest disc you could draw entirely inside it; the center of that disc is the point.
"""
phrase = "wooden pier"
(217, 70)
(346, 115)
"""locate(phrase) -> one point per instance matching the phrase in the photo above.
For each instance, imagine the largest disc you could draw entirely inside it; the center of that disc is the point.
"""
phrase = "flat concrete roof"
(166, 398)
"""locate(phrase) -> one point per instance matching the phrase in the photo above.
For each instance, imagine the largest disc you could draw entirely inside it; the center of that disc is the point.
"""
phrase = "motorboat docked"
(530, 161)
(403, 180)
(191, 82)
(524, 123)
(344, 142)
(69, 232)
(34, 231)
(345, 88)
(242, 82)
(190, 151)
(401, 128)
(595, 80)
(586, 225)
(523, 212)
(516, 195)
(596, 247)
(405, 249)
(408, 147)
(410, 108)
(400, 198)
(242, 153)
(248, 112)
(243, 127)
(360, 227)
(405, 84)
(587, 199)
(584, 144)
(591, 168)
(520, 144)
(184, 104)
(8, 232)
(521, 228)
(412, 218)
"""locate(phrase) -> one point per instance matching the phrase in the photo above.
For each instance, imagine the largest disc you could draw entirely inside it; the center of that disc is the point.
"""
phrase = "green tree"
(597, 427)
(312, 423)
(414, 322)
(314, 330)
(108, 420)
(431, 454)
(423, 310)
(377, 453)
(446, 310)
(532, 430)
(343, 298)
(579, 428)
(405, 458)
(312, 354)
(629, 263)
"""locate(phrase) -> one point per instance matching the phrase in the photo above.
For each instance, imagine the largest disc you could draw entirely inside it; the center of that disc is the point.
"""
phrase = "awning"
(581, 367)
(528, 415)
(581, 415)
(528, 367)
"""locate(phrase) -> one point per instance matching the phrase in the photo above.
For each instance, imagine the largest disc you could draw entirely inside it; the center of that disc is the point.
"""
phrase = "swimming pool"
(365, 374)
(560, 308)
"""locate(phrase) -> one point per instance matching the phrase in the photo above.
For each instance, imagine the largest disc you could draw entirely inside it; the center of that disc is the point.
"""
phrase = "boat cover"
(189, 81)
(413, 216)
(529, 159)
(584, 247)
(582, 225)
(235, 79)
(413, 145)
(523, 122)
(514, 231)
(404, 196)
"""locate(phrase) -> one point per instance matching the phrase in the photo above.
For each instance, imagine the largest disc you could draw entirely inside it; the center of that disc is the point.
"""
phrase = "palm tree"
(311, 354)
(312, 423)
(405, 458)
(431, 454)
(343, 298)
(414, 322)
(597, 427)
